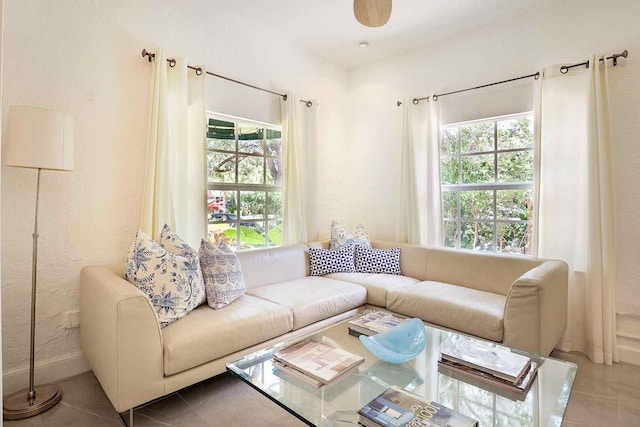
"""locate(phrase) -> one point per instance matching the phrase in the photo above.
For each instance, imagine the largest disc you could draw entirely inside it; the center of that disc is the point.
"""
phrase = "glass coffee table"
(337, 404)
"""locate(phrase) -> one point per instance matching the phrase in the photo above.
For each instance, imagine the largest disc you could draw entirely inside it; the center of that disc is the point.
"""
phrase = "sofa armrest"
(120, 337)
(535, 314)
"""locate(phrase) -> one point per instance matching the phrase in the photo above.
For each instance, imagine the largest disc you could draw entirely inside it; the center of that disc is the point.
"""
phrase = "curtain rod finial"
(149, 54)
(399, 103)
(284, 97)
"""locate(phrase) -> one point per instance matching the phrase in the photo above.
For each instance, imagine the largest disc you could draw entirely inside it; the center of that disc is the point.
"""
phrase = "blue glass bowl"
(399, 344)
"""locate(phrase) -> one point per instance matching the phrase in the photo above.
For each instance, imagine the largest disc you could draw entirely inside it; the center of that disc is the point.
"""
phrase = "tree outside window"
(244, 169)
(487, 184)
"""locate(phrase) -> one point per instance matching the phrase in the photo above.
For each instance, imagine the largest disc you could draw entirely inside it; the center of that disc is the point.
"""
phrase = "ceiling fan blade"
(372, 13)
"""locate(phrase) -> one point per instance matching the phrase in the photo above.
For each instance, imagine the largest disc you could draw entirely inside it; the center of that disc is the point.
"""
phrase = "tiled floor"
(602, 396)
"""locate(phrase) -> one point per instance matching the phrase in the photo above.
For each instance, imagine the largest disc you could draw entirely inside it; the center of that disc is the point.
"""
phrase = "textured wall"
(565, 32)
(83, 57)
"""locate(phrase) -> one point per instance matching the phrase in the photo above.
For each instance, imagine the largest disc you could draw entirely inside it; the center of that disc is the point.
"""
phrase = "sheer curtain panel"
(299, 170)
(575, 198)
(175, 182)
(420, 197)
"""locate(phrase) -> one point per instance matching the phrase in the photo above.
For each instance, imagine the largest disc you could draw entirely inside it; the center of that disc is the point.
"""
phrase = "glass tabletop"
(337, 403)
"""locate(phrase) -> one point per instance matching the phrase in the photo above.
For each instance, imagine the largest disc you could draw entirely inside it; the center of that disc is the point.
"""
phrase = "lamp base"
(18, 405)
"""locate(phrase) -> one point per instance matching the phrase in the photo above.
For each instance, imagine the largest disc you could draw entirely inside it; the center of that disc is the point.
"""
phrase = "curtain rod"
(624, 54)
(198, 70)
(564, 69)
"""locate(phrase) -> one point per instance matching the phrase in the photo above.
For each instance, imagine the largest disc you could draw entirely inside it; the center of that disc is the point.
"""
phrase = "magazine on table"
(396, 407)
(485, 357)
(320, 361)
(374, 322)
(466, 373)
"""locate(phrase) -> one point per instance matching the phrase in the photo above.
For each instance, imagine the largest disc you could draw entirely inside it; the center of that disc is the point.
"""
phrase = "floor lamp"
(36, 138)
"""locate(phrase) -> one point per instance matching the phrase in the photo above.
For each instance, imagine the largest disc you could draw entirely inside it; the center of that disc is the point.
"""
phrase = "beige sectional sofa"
(518, 301)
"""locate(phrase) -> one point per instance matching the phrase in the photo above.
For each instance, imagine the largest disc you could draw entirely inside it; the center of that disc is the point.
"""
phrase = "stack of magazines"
(374, 322)
(496, 366)
(315, 362)
(399, 408)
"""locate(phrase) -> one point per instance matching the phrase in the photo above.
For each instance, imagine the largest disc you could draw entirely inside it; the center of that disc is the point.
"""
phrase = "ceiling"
(328, 28)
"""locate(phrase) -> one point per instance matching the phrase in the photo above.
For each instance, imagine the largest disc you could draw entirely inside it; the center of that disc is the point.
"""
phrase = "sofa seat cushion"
(464, 309)
(313, 298)
(377, 284)
(206, 334)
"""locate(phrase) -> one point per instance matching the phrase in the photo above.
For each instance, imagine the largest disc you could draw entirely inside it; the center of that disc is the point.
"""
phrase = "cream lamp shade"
(38, 138)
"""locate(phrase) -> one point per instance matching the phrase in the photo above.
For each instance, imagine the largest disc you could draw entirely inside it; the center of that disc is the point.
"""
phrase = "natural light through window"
(244, 197)
(487, 184)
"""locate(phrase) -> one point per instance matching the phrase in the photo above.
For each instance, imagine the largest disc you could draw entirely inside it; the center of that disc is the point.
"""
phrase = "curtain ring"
(309, 104)
(537, 76)
(564, 69)
(284, 97)
(434, 97)
(198, 71)
(415, 101)
(172, 62)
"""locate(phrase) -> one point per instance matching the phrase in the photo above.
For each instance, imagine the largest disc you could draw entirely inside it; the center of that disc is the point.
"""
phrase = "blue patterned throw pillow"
(340, 236)
(326, 261)
(175, 245)
(167, 279)
(222, 273)
(370, 260)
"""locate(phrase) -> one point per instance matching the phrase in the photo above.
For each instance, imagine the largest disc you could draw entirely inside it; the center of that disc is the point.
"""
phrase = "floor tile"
(602, 396)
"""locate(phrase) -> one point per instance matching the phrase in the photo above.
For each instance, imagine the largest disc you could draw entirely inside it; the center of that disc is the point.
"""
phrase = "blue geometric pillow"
(174, 244)
(326, 261)
(168, 280)
(369, 260)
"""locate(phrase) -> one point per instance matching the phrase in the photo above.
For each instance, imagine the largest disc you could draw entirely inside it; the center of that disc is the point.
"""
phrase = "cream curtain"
(575, 199)
(299, 171)
(419, 196)
(175, 182)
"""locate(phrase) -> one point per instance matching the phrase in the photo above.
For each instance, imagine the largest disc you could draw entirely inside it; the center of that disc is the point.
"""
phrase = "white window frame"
(236, 187)
(494, 186)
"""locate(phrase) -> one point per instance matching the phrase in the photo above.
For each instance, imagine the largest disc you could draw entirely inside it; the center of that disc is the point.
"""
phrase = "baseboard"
(628, 335)
(629, 355)
(48, 371)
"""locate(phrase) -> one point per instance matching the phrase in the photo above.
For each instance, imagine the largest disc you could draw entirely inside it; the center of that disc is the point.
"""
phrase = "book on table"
(485, 357)
(497, 385)
(396, 407)
(374, 322)
(320, 362)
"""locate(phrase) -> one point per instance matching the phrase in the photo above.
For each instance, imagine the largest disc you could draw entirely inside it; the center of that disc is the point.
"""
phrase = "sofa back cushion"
(272, 265)
(477, 270)
(482, 271)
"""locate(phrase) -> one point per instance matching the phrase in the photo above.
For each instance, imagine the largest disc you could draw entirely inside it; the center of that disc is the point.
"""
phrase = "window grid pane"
(487, 184)
(244, 197)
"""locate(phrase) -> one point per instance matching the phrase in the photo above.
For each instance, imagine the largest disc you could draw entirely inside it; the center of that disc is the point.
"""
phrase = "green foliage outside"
(462, 165)
(246, 219)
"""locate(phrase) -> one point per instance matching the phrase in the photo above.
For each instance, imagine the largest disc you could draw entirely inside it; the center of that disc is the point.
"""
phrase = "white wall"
(1, 39)
(365, 188)
(83, 57)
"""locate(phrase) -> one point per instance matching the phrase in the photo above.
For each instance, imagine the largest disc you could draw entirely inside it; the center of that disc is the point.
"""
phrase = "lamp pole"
(35, 400)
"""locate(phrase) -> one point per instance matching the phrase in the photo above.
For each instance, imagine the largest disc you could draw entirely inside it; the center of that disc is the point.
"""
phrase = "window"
(487, 184)
(244, 169)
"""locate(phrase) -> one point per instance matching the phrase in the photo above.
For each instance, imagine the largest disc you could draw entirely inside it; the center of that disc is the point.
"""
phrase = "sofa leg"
(131, 417)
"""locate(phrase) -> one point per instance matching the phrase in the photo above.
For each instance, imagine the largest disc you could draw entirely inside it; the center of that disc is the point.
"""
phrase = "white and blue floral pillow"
(340, 236)
(326, 261)
(168, 280)
(370, 260)
(174, 244)
(222, 273)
